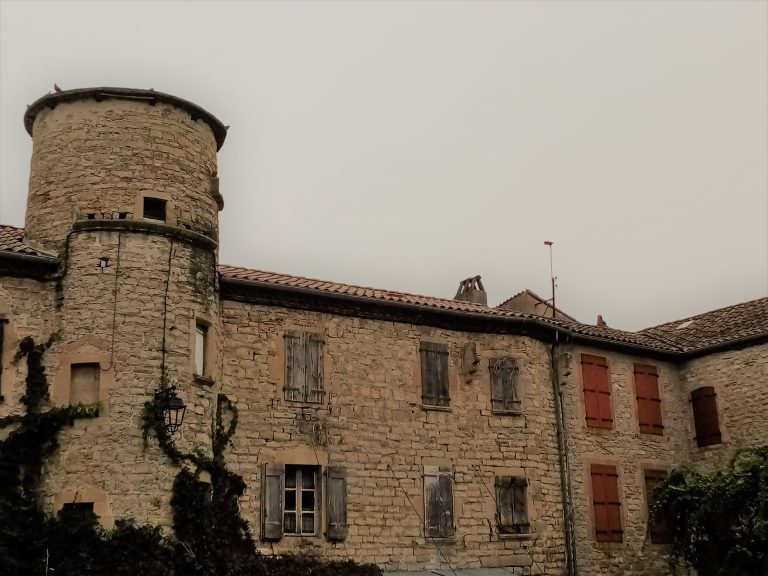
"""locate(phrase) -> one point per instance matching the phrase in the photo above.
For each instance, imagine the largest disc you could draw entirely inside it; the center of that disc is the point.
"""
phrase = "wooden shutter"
(657, 528)
(272, 502)
(295, 368)
(597, 391)
(606, 503)
(704, 402)
(438, 502)
(512, 505)
(434, 374)
(504, 396)
(336, 514)
(314, 373)
(648, 399)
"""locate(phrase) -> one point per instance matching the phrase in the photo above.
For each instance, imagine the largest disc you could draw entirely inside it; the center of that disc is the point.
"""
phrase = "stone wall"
(631, 452)
(373, 425)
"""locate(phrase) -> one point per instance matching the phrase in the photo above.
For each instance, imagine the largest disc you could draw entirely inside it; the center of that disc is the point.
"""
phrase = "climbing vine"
(718, 521)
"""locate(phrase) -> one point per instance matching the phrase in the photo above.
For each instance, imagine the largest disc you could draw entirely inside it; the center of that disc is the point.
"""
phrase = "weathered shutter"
(606, 503)
(295, 371)
(434, 374)
(648, 399)
(657, 527)
(520, 504)
(438, 502)
(504, 396)
(336, 528)
(505, 499)
(314, 371)
(597, 391)
(272, 502)
(705, 417)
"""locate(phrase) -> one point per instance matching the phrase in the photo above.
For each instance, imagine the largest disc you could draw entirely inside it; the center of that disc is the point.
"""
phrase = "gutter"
(30, 258)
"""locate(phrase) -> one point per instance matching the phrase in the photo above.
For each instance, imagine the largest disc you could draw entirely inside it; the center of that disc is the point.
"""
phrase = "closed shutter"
(438, 502)
(314, 388)
(272, 502)
(504, 397)
(704, 401)
(657, 527)
(648, 399)
(434, 374)
(597, 391)
(606, 503)
(512, 505)
(295, 368)
(336, 528)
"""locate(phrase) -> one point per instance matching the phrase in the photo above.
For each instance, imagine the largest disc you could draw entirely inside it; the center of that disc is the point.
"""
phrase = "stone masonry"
(130, 295)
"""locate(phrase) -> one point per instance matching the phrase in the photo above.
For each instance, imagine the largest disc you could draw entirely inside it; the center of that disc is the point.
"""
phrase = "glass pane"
(308, 500)
(289, 523)
(290, 500)
(308, 478)
(307, 523)
(290, 477)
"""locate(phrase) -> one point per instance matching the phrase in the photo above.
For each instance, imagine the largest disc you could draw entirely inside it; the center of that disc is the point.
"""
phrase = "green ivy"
(718, 521)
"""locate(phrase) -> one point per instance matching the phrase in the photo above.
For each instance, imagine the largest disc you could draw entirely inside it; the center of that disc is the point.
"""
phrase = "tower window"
(84, 387)
(201, 336)
(154, 209)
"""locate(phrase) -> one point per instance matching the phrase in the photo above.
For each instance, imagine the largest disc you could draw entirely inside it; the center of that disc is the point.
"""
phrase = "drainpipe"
(562, 452)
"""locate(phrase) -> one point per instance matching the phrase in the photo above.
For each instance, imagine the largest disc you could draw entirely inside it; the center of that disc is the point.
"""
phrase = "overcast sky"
(408, 145)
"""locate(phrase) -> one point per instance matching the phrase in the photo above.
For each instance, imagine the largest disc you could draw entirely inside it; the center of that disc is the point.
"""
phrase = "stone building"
(414, 432)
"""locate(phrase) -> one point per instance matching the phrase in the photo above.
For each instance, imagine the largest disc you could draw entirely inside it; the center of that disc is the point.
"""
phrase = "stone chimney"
(471, 290)
(600, 321)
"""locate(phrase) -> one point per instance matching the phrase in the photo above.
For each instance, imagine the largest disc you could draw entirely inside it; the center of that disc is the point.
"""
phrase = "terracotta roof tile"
(12, 240)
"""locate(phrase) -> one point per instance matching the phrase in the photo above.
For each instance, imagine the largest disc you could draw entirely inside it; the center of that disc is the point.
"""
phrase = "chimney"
(600, 321)
(471, 290)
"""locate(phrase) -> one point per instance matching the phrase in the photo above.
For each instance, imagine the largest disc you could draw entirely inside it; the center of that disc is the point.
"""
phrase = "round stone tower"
(124, 189)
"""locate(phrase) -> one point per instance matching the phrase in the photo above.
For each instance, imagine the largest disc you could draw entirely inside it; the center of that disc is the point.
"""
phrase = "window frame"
(440, 473)
(603, 533)
(298, 490)
(200, 363)
(514, 384)
(307, 394)
(515, 483)
(441, 402)
(159, 201)
(703, 429)
(651, 427)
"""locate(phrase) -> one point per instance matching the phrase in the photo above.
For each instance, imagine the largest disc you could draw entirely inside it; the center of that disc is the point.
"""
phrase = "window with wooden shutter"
(704, 402)
(512, 505)
(657, 528)
(336, 513)
(304, 368)
(648, 399)
(597, 391)
(272, 502)
(504, 394)
(606, 503)
(434, 374)
(438, 502)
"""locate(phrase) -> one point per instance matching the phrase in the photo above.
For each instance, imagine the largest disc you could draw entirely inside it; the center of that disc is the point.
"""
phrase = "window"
(607, 506)
(504, 398)
(304, 368)
(434, 374)
(648, 400)
(597, 391)
(656, 527)
(78, 511)
(290, 501)
(84, 383)
(511, 505)
(154, 209)
(300, 502)
(438, 502)
(201, 337)
(704, 401)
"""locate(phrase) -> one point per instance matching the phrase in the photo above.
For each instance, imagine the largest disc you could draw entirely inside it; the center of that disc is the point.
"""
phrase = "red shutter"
(704, 402)
(648, 399)
(597, 391)
(607, 506)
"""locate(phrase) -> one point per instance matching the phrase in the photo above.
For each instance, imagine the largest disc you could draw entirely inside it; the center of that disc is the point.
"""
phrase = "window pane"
(308, 478)
(289, 523)
(290, 500)
(308, 500)
(290, 477)
(308, 523)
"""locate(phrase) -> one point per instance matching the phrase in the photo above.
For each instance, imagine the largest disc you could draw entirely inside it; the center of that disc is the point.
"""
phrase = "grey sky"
(409, 145)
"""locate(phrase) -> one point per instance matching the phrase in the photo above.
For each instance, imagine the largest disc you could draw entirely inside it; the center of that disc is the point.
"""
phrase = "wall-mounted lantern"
(171, 407)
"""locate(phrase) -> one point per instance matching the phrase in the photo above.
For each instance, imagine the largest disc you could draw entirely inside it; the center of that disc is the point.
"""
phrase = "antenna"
(552, 276)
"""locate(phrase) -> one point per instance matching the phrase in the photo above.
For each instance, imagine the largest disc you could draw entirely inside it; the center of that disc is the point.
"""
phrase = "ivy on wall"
(210, 537)
(718, 521)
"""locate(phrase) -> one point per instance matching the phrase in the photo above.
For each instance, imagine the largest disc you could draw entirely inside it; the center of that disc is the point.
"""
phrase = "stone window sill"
(438, 540)
(507, 412)
(436, 408)
(204, 380)
(523, 536)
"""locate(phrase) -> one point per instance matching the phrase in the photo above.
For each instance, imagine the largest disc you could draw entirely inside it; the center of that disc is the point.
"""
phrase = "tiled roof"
(12, 240)
(506, 304)
(737, 322)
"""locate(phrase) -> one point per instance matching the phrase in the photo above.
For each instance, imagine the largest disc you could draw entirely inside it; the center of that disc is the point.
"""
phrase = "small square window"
(154, 209)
